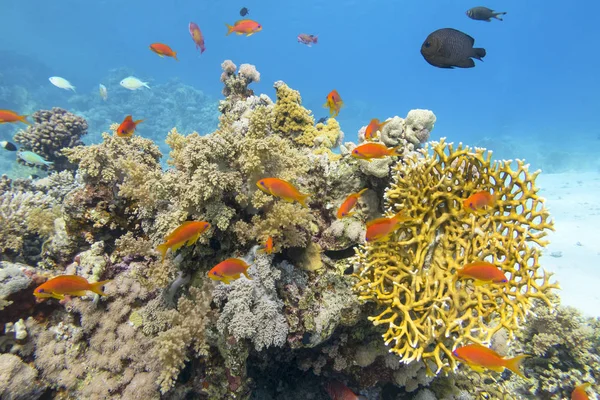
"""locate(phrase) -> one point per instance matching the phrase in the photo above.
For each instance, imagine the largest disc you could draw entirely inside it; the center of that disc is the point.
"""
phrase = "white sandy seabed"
(573, 254)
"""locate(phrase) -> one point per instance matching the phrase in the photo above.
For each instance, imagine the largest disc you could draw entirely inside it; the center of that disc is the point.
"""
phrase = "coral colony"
(323, 305)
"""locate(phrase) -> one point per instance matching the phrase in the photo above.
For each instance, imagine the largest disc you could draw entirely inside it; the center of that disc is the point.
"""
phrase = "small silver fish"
(484, 14)
(103, 92)
(32, 158)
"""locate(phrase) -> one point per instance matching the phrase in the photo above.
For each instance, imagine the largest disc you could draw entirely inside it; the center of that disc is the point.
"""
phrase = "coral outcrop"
(52, 131)
(411, 276)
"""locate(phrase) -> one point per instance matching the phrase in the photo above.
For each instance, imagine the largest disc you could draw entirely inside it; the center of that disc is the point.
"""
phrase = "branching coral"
(564, 344)
(52, 131)
(251, 308)
(411, 275)
(186, 329)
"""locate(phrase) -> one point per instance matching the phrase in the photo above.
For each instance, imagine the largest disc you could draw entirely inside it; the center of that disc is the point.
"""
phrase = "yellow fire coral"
(411, 275)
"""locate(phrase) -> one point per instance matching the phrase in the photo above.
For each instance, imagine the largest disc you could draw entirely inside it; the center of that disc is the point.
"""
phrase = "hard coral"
(411, 275)
(52, 131)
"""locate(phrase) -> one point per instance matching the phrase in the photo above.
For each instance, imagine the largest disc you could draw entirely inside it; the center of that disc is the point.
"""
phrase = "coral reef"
(52, 131)
(411, 276)
(566, 350)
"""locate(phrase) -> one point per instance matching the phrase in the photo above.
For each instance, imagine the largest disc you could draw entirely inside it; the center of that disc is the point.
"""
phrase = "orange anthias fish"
(579, 393)
(197, 36)
(163, 50)
(348, 204)
(338, 391)
(127, 127)
(282, 189)
(186, 234)
(334, 103)
(70, 285)
(480, 358)
(482, 272)
(380, 228)
(229, 270)
(373, 127)
(369, 151)
(267, 246)
(7, 116)
(479, 202)
(246, 26)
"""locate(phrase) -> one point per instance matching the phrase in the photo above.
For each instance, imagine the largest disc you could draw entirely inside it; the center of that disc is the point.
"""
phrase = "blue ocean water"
(534, 95)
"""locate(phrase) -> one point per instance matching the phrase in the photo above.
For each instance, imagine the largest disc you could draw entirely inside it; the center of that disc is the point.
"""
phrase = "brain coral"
(411, 276)
(53, 131)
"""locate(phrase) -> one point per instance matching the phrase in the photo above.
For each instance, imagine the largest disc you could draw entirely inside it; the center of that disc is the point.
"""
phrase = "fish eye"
(262, 183)
(427, 44)
(355, 151)
(214, 272)
(40, 290)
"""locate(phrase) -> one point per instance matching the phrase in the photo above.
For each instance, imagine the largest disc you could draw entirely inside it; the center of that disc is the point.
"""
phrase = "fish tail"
(479, 53)
(96, 287)
(229, 29)
(138, 121)
(302, 199)
(175, 56)
(514, 364)
(146, 84)
(162, 249)
(396, 151)
(315, 39)
(498, 15)
(362, 191)
(246, 274)
(72, 88)
(23, 119)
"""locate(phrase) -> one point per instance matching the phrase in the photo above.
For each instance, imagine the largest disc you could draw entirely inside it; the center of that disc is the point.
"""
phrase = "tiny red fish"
(267, 246)
(479, 202)
(282, 189)
(480, 358)
(229, 270)
(308, 40)
(197, 36)
(163, 50)
(334, 103)
(346, 207)
(579, 393)
(373, 127)
(7, 116)
(185, 234)
(69, 285)
(482, 272)
(338, 391)
(127, 127)
(369, 151)
(380, 228)
(246, 26)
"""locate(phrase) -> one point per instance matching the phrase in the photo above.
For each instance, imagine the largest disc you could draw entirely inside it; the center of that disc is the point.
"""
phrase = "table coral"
(411, 276)
(52, 131)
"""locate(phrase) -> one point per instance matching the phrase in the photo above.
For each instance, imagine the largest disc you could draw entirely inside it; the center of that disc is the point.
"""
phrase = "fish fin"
(302, 199)
(54, 295)
(466, 63)
(250, 34)
(225, 280)
(477, 368)
(229, 29)
(479, 53)
(394, 150)
(514, 364)
(161, 55)
(77, 293)
(362, 191)
(478, 282)
(96, 287)
(162, 249)
(235, 276)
